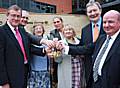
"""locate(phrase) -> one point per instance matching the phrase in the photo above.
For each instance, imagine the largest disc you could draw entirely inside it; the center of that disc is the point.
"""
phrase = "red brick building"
(41, 6)
(62, 6)
(2, 10)
(58, 6)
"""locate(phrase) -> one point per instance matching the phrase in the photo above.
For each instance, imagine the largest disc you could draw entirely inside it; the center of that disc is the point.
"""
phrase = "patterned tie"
(96, 32)
(19, 38)
(98, 59)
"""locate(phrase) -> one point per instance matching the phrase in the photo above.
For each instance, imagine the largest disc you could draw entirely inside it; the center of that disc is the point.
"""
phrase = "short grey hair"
(91, 3)
(14, 7)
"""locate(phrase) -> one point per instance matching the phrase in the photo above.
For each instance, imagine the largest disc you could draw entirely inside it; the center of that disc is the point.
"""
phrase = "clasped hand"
(54, 50)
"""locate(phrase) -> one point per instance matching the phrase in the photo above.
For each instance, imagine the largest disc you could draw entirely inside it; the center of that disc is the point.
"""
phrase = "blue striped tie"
(98, 59)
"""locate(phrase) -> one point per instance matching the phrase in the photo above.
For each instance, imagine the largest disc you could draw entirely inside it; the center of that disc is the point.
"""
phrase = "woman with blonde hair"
(70, 67)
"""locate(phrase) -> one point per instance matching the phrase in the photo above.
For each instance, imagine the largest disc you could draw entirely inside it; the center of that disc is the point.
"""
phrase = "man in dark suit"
(14, 50)
(106, 57)
(94, 14)
(106, 61)
(87, 36)
(23, 24)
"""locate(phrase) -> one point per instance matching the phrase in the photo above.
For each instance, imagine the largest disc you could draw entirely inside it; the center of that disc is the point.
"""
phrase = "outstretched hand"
(60, 45)
(49, 43)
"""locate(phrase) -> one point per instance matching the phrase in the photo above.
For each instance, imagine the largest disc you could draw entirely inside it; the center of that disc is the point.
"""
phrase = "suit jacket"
(86, 35)
(54, 34)
(87, 49)
(87, 38)
(11, 57)
(110, 77)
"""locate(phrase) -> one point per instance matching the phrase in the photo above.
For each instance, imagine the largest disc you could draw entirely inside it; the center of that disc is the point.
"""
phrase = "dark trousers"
(53, 73)
(97, 84)
(26, 70)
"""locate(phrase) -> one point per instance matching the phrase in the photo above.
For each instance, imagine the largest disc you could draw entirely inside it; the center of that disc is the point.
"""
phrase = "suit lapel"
(101, 29)
(113, 48)
(90, 35)
(98, 47)
(111, 52)
(87, 34)
(12, 36)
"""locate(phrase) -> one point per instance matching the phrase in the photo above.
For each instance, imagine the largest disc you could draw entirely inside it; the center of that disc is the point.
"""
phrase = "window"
(13, 2)
(4, 4)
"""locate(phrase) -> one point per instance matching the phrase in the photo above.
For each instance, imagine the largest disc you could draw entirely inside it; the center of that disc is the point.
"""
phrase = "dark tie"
(98, 59)
(19, 38)
(95, 32)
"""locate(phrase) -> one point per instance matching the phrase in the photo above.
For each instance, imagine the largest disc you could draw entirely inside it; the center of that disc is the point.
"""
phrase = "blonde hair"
(69, 27)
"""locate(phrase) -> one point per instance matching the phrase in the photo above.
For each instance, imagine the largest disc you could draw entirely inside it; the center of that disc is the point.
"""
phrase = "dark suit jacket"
(86, 35)
(87, 49)
(11, 57)
(87, 38)
(111, 68)
(54, 34)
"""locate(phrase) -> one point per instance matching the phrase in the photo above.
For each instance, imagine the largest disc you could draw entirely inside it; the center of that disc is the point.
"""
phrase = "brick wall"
(62, 6)
(2, 10)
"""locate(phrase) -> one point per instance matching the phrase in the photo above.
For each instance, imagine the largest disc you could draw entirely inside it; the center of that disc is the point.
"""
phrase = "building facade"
(58, 6)
(62, 6)
(79, 6)
(40, 6)
(29, 5)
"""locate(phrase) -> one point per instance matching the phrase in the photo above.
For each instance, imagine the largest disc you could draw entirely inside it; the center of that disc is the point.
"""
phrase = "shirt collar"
(115, 35)
(11, 27)
(98, 22)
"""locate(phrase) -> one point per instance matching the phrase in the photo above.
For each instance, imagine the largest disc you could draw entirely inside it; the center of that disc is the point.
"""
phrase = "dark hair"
(14, 7)
(91, 3)
(38, 25)
(60, 18)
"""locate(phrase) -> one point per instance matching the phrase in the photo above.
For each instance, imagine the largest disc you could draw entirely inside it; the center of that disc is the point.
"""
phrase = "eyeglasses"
(14, 15)
(56, 22)
(25, 17)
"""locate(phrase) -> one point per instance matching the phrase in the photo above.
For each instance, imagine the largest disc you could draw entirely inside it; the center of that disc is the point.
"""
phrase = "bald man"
(106, 57)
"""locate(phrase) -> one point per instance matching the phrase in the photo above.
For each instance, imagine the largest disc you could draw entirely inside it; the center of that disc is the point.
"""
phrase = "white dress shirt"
(106, 52)
(12, 28)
